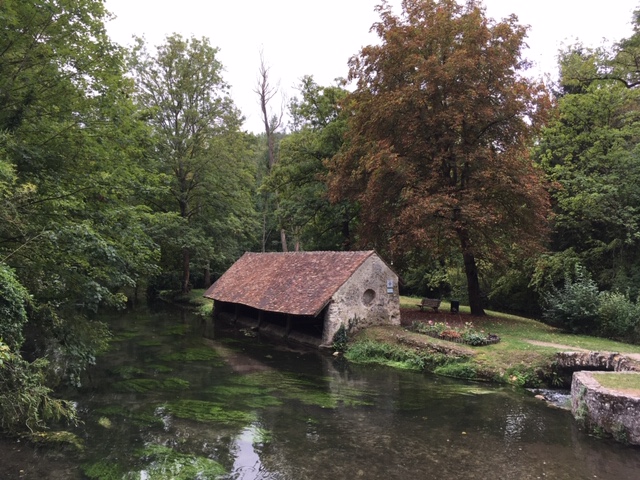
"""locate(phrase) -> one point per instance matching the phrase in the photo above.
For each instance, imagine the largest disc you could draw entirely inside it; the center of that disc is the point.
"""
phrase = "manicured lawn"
(619, 381)
(514, 359)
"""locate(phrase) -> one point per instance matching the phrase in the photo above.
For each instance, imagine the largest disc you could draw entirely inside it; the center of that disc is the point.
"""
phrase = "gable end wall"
(349, 302)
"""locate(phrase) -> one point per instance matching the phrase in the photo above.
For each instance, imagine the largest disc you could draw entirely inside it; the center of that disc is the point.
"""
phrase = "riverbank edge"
(452, 359)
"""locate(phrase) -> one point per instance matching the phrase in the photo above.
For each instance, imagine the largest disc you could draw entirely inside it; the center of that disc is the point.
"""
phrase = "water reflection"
(181, 394)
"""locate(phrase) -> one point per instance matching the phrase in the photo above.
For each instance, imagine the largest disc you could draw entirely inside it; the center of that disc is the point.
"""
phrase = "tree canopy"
(197, 147)
(437, 147)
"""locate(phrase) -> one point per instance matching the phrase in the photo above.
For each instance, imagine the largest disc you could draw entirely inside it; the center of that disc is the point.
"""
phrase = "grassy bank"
(523, 357)
(194, 299)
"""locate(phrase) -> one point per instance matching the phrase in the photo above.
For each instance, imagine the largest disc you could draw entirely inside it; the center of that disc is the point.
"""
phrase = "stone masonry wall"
(363, 300)
(613, 412)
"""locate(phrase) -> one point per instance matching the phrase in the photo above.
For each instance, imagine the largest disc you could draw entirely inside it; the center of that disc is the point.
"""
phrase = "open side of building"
(307, 296)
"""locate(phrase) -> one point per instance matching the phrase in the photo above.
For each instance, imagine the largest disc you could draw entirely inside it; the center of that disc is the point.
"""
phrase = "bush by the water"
(579, 307)
(25, 402)
(369, 351)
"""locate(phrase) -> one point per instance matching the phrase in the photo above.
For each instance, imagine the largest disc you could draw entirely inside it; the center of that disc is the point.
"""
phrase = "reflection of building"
(307, 296)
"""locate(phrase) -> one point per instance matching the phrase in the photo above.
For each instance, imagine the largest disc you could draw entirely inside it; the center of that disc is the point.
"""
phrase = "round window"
(368, 296)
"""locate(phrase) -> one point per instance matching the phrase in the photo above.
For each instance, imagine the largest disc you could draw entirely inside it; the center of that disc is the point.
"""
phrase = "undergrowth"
(371, 351)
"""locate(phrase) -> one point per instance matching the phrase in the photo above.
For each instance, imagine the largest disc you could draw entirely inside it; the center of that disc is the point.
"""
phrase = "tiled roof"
(298, 283)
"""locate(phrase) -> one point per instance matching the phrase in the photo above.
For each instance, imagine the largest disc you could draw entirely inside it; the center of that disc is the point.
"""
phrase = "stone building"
(307, 296)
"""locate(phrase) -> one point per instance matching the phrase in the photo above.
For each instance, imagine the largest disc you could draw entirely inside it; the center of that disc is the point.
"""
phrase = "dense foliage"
(125, 170)
(437, 145)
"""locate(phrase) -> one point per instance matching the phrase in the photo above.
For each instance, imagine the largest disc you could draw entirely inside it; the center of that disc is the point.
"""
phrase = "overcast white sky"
(304, 37)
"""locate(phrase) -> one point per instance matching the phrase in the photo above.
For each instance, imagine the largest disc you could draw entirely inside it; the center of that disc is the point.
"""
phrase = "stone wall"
(605, 410)
(363, 300)
(604, 361)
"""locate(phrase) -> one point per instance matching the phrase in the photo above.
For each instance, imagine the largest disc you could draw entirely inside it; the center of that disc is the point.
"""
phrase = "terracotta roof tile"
(299, 283)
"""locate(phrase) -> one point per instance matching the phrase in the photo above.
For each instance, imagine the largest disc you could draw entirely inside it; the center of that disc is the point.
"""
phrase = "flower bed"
(468, 334)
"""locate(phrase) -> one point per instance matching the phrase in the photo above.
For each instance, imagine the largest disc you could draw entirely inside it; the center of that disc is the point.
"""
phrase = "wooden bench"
(431, 303)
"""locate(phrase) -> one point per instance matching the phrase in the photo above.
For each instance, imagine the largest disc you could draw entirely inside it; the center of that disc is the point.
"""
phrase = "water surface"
(177, 397)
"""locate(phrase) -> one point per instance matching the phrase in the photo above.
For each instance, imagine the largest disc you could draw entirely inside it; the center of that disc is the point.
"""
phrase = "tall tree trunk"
(185, 270)
(207, 276)
(471, 272)
(346, 232)
(266, 92)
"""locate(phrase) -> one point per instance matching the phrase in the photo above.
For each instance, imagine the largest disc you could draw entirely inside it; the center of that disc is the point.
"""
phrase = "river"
(178, 397)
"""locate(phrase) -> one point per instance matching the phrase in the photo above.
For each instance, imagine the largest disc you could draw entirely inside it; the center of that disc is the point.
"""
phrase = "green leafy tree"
(590, 153)
(437, 146)
(198, 148)
(70, 229)
(299, 177)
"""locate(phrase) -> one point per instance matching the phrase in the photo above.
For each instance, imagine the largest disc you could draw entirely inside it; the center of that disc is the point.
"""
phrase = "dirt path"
(557, 345)
(568, 348)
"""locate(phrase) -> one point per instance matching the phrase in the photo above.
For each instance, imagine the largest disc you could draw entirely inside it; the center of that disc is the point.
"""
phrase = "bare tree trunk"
(272, 123)
(207, 276)
(186, 258)
(471, 272)
(264, 229)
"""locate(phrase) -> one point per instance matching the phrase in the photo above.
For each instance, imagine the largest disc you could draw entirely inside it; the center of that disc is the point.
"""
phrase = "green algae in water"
(166, 463)
(143, 385)
(60, 438)
(248, 395)
(126, 334)
(180, 329)
(200, 354)
(261, 436)
(151, 343)
(160, 368)
(137, 385)
(103, 470)
(294, 387)
(174, 383)
(127, 372)
(140, 419)
(211, 412)
(104, 422)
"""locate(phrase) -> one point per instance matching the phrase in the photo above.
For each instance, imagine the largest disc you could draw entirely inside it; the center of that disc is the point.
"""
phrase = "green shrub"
(25, 401)
(13, 315)
(457, 370)
(574, 307)
(340, 339)
(370, 351)
(618, 317)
